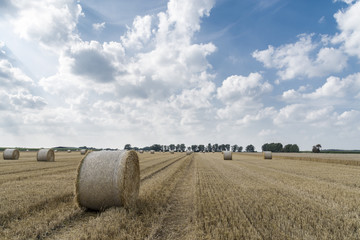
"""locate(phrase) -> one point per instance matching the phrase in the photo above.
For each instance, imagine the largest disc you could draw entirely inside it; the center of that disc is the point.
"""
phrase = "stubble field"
(197, 196)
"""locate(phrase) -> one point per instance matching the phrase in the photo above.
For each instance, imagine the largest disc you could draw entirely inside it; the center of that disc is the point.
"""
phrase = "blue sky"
(108, 73)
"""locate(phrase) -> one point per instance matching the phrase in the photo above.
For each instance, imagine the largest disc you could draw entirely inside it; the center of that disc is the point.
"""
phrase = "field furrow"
(177, 222)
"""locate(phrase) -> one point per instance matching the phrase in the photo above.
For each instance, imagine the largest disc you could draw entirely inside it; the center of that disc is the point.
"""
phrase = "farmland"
(197, 196)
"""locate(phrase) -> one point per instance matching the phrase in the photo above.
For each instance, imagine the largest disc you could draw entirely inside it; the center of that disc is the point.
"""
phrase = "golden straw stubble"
(108, 179)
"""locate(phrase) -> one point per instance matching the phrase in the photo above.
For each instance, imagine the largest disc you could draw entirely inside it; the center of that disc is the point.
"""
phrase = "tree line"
(278, 147)
(195, 148)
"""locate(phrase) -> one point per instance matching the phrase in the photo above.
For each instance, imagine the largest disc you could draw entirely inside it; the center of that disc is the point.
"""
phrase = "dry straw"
(188, 152)
(152, 151)
(172, 152)
(11, 154)
(108, 178)
(227, 155)
(267, 155)
(69, 151)
(141, 151)
(46, 155)
(83, 151)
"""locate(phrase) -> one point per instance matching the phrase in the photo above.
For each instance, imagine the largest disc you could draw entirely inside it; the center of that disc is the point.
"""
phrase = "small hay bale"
(152, 151)
(83, 151)
(227, 155)
(172, 152)
(107, 179)
(69, 151)
(11, 154)
(267, 155)
(141, 151)
(46, 155)
(188, 152)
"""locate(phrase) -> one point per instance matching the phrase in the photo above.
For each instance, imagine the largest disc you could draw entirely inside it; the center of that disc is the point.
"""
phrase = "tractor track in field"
(175, 222)
(21, 178)
(38, 169)
(173, 161)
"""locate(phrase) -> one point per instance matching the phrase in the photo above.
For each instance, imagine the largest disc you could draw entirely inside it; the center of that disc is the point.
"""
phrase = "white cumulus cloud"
(348, 24)
(302, 59)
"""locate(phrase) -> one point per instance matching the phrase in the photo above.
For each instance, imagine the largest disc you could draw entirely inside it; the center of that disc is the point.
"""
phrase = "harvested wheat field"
(197, 196)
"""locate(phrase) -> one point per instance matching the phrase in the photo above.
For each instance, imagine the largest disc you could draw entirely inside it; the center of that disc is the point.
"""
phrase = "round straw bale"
(152, 151)
(69, 151)
(172, 152)
(46, 154)
(188, 152)
(267, 155)
(11, 154)
(227, 155)
(108, 178)
(83, 151)
(141, 151)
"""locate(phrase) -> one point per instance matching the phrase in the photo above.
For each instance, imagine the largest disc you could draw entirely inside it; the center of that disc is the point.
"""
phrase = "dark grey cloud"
(90, 63)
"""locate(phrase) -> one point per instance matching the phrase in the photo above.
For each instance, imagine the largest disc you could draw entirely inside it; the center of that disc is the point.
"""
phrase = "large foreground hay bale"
(11, 154)
(227, 155)
(108, 178)
(46, 154)
(83, 151)
(267, 155)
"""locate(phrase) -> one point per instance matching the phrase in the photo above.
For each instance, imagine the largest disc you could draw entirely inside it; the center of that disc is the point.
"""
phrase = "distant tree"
(221, 147)
(273, 147)
(194, 148)
(287, 148)
(172, 147)
(250, 148)
(265, 147)
(201, 148)
(156, 147)
(227, 147)
(215, 147)
(182, 147)
(127, 147)
(294, 148)
(240, 149)
(209, 148)
(234, 148)
(316, 148)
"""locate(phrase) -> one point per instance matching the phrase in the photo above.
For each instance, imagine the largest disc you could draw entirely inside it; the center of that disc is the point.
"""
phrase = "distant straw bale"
(11, 154)
(267, 155)
(227, 155)
(46, 155)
